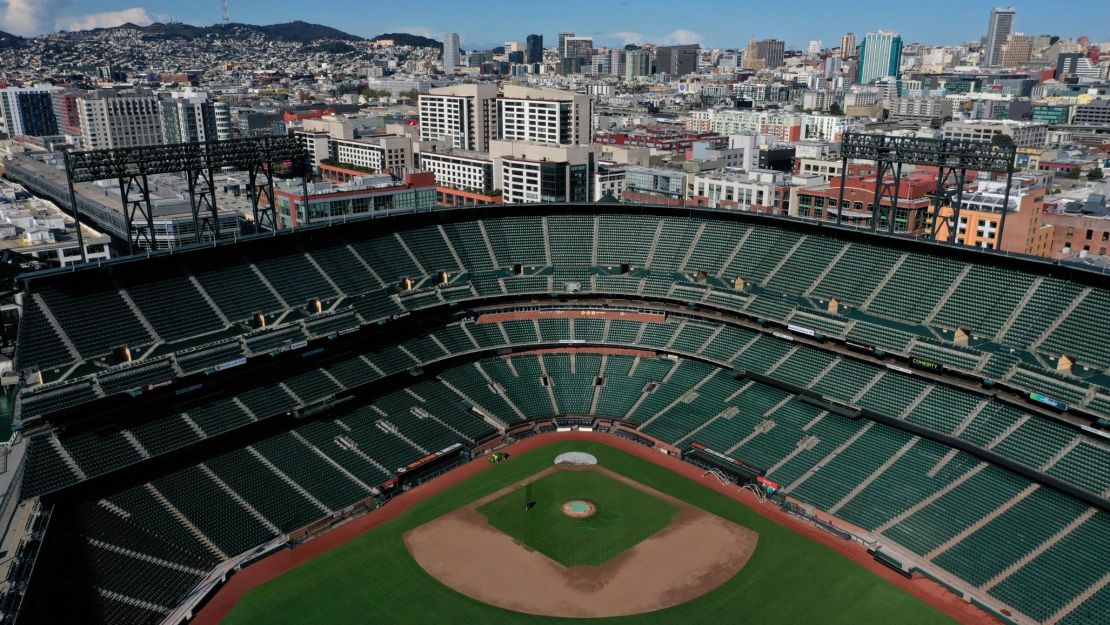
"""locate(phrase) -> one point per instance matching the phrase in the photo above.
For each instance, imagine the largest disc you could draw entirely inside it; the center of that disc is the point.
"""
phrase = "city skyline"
(711, 23)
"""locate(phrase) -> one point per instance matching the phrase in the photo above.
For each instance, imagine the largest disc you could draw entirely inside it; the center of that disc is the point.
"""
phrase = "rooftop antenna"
(227, 11)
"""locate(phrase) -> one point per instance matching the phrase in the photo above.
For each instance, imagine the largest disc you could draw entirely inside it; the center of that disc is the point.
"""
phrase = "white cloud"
(627, 37)
(136, 15)
(27, 17)
(682, 37)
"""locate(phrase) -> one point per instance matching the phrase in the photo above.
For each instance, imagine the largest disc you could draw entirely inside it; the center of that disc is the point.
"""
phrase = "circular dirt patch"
(579, 509)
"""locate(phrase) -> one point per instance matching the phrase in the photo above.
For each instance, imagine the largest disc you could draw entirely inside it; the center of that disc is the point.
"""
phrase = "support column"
(840, 198)
(74, 209)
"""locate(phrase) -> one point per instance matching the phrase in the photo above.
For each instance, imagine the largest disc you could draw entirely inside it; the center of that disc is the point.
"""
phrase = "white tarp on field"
(575, 457)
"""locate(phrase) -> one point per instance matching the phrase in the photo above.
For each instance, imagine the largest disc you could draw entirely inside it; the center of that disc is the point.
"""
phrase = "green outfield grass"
(788, 580)
(625, 516)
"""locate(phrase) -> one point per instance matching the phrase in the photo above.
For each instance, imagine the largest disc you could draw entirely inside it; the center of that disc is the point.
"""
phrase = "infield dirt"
(695, 554)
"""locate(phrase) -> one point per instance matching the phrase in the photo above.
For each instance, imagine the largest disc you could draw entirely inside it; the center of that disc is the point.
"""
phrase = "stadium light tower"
(227, 11)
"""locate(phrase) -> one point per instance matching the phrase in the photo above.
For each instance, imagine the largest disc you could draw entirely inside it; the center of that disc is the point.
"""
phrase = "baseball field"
(624, 541)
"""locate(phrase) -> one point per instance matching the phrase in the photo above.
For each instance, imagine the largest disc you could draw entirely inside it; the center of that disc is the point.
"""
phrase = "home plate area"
(578, 540)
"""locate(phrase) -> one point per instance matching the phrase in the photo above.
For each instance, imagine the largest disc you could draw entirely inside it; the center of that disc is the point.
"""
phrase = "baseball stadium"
(546, 413)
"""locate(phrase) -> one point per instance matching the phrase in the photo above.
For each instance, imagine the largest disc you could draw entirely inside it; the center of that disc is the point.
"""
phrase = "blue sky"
(714, 23)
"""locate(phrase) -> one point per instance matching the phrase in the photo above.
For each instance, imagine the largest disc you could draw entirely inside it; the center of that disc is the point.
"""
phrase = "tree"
(1094, 174)
(411, 94)
(1073, 173)
(834, 109)
(1002, 141)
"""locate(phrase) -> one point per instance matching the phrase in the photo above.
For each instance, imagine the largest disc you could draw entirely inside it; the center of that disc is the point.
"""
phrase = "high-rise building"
(1002, 22)
(563, 42)
(113, 120)
(773, 52)
(450, 52)
(189, 117)
(847, 46)
(528, 173)
(814, 47)
(533, 49)
(464, 114)
(543, 116)
(578, 48)
(880, 55)
(616, 62)
(28, 112)
(1018, 49)
(636, 63)
(676, 60)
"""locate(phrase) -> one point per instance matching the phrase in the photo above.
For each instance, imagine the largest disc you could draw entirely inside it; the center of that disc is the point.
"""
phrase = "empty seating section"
(1093, 611)
(857, 274)
(1086, 466)
(312, 385)
(427, 244)
(1067, 568)
(963, 360)
(763, 354)
(218, 417)
(291, 275)
(984, 300)
(685, 374)
(98, 452)
(804, 266)
(904, 483)
(625, 239)
(714, 247)
(233, 286)
(893, 394)
(334, 488)
(691, 337)
(164, 434)
(273, 498)
(589, 330)
(342, 265)
(571, 238)
(201, 359)
(956, 510)
(74, 301)
(943, 409)
(554, 330)
(1014, 533)
(134, 377)
(763, 249)
(1049, 301)
(1048, 384)
(889, 339)
(190, 315)
(773, 432)
(470, 244)
(912, 292)
(57, 398)
(802, 367)
(836, 478)
(695, 409)
(212, 511)
(675, 241)
(993, 421)
(846, 379)
(725, 345)
(517, 240)
(384, 253)
(769, 306)
(38, 345)
(1035, 442)
(1074, 334)
(45, 470)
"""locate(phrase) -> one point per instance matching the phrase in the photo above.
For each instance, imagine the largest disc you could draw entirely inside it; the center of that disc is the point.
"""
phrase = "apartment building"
(543, 116)
(466, 115)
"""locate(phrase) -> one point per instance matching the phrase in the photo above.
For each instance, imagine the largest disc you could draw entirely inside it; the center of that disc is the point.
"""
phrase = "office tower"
(773, 53)
(464, 114)
(616, 62)
(752, 60)
(28, 112)
(189, 117)
(814, 47)
(676, 60)
(533, 49)
(880, 55)
(543, 116)
(1018, 49)
(1002, 22)
(578, 48)
(450, 52)
(528, 173)
(637, 63)
(563, 43)
(847, 46)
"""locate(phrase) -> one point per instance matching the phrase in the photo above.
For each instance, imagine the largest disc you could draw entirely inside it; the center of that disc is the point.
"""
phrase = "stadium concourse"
(190, 411)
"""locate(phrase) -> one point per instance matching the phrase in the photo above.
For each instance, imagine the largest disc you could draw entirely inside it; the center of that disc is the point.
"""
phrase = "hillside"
(302, 32)
(8, 40)
(405, 39)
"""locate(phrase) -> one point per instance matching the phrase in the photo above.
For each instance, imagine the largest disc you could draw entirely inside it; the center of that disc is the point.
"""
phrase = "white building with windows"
(123, 121)
(1023, 134)
(529, 173)
(466, 115)
(543, 116)
(379, 154)
(460, 169)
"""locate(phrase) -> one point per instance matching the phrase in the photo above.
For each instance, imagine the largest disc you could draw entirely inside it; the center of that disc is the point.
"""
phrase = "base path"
(272, 566)
(693, 555)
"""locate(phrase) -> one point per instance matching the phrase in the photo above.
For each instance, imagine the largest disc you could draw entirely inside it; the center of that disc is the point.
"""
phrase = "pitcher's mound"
(579, 509)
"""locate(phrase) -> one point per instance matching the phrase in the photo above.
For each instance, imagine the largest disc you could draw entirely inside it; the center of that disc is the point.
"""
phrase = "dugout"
(712, 460)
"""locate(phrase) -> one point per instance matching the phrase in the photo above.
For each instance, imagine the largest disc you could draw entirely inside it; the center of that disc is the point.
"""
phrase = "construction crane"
(227, 11)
